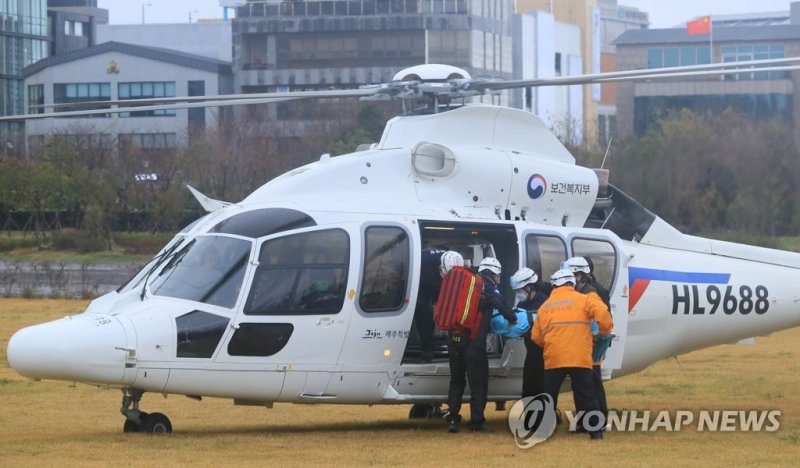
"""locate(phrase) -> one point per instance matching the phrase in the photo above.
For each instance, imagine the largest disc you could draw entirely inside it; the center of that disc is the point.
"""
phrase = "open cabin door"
(606, 253)
(474, 241)
(544, 252)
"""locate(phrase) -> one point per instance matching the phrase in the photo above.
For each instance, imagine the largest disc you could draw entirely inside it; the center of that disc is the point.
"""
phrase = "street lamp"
(145, 5)
(190, 14)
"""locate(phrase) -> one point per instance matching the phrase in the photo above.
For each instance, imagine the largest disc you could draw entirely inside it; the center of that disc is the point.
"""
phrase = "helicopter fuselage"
(305, 291)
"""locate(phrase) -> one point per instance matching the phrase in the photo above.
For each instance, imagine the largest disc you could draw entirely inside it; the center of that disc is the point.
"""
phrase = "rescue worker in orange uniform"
(586, 283)
(563, 329)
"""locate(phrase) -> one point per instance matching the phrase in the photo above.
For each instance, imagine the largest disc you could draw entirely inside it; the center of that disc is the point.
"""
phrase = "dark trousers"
(533, 370)
(600, 390)
(468, 357)
(423, 321)
(583, 389)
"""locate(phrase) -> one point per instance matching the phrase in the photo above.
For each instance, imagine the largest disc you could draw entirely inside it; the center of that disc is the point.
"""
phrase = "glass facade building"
(303, 45)
(23, 41)
(761, 95)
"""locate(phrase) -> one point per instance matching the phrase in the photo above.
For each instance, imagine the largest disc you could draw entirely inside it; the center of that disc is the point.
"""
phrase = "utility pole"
(143, 6)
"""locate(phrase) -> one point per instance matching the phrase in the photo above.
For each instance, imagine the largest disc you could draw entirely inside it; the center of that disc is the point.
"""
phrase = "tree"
(703, 172)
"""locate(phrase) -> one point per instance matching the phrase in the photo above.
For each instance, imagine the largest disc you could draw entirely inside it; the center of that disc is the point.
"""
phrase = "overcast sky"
(663, 13)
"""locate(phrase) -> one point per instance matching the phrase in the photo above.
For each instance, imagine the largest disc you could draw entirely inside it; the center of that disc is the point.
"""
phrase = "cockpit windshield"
(208, 269)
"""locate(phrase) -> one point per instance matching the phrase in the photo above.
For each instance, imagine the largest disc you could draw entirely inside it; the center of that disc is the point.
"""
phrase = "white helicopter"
(304, 291)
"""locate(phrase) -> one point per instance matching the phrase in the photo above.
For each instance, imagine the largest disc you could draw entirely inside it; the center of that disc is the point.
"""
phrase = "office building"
(760, 95)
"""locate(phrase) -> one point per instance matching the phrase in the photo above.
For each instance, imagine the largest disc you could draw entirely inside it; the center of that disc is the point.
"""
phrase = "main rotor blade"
(217, 101)
(701, 73)
(287, 95)
(491, 85)
(407, 89)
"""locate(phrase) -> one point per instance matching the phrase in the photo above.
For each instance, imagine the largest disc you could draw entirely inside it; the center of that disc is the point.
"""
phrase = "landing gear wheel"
(156, 423)
(131, 426)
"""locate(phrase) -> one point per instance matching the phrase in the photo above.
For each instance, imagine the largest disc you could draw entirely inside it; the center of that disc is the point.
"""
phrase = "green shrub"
(9, 243)
(78, 241)
(141, 243)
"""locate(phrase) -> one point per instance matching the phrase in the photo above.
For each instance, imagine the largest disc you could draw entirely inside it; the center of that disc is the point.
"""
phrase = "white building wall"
(545, 104)
(131, 69)
(211, 40)
(568, 119)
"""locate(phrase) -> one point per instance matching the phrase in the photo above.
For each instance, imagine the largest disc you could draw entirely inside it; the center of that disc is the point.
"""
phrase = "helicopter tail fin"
(208, 204)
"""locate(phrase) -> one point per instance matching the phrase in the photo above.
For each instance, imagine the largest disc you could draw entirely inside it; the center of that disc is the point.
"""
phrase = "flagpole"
(711, 39)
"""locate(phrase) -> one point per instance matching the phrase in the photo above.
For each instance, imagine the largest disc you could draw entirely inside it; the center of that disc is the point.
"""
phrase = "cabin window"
(259, 339)
(544, 254)
(262, 223)
(208, 269)
(602, 254)
(385, 276)
(302, 273)
(199, 334)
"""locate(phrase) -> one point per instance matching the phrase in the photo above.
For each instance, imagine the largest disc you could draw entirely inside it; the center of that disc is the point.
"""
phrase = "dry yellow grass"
(56, 423)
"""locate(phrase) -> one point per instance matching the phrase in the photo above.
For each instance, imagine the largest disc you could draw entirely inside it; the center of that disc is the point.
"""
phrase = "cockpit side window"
(303, 273)
(386, 258)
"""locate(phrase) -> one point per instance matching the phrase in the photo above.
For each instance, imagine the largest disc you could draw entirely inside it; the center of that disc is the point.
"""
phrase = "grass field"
(57, 423)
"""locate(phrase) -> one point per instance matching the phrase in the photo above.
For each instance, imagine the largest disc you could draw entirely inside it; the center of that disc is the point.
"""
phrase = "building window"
(35, 99)
(558, 64)
(197, 117)
(86, 141)
(742, 52)
(660, 57)
(78, 28)
(65, 93)
(648, 109)
(147, 90)
(352, 48)
(148, 141)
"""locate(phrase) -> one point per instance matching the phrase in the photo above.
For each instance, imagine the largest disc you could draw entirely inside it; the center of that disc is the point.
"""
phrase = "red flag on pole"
(701, 25)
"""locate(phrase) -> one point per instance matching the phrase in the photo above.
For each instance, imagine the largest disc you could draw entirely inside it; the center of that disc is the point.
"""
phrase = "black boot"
(454, 424)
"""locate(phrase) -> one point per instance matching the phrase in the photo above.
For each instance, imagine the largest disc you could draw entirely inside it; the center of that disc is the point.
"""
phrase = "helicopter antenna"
(680, 365)
(608, 217)
(608, 148)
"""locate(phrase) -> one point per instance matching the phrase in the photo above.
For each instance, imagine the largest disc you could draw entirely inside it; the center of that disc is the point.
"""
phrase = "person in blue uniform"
(525, 284)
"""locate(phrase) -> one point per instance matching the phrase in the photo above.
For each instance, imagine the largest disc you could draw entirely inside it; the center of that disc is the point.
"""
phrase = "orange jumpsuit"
(563, 327)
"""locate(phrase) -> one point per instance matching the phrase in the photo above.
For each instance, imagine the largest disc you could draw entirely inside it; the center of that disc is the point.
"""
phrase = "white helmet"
(522, 278)
(562, 277)
(491, 264)
(448, 260)
(576, 265)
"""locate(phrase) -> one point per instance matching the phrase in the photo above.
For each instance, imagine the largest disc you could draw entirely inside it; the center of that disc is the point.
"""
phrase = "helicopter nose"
(85, 348)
